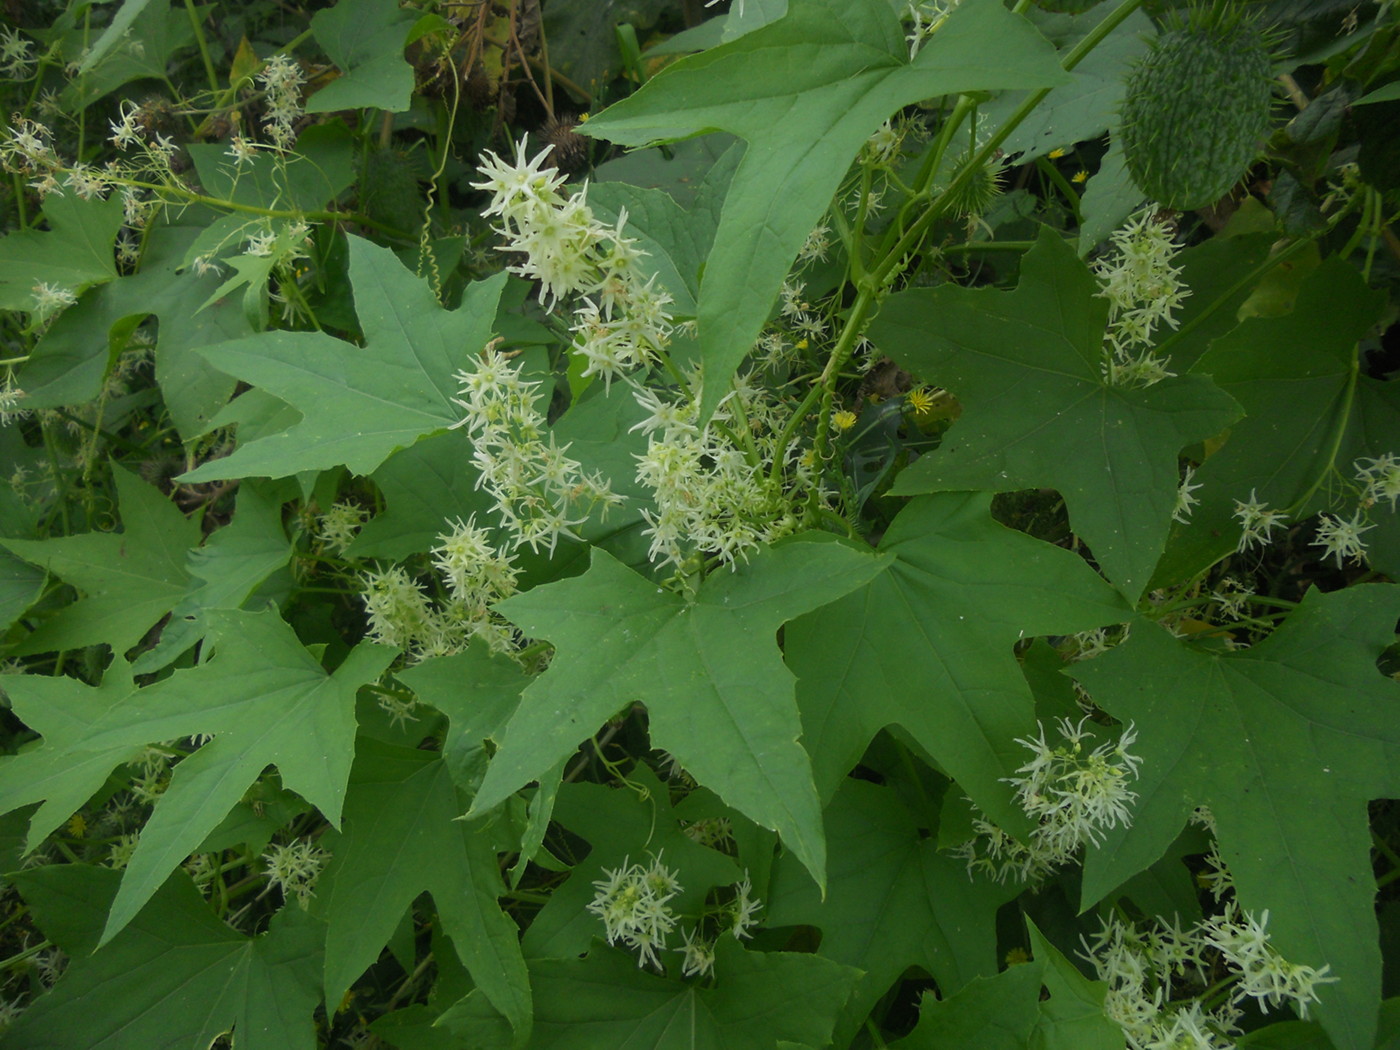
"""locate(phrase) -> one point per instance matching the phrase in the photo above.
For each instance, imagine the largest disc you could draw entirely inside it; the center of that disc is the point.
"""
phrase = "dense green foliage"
(553, 523)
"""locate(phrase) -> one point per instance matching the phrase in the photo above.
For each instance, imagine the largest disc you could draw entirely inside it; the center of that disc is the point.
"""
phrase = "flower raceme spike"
(1074, 797)
(621, 322)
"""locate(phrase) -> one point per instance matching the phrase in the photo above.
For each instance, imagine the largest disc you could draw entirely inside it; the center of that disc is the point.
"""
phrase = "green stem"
(1063, 185)
(1076, 55)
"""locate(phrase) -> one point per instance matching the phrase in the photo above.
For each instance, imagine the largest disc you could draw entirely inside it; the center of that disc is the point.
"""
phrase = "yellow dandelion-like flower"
(1057, 153)
(843, 420)
(802, 343)
(920, 400)
(1080, 176)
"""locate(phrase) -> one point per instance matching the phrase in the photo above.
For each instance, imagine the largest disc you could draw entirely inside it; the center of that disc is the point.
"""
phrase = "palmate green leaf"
(677, 239)
(231, 565)
(262, 696)
(805, 92)
(709, 672)
(477, 691)
(605, 1002)
(893, 901)
(130, 579)
(1297, 378)
(991, 1013)
(72, 359)
(73, 253)
(1037, 412)
(618, 824)
(1044, 1004)
(1286, 742)
(365, 39)
(401, 837)
(175, 978)
(359, 404)
(928, 645)
(425, 486)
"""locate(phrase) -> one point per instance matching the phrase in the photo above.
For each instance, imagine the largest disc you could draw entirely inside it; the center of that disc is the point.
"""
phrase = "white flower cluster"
(1380, 478)
(1156, 974)
(16, 55)
(1257, 521)
(1143, 290)
(634, 904)
(27, 150)
(281, 79)
(1185, 500)
(621, 323)
(294, 868)
(1074, 795)
(337, 527)
(11, 398)
(712, 485)
(475, 575)
(1342, 537)
(540, 493)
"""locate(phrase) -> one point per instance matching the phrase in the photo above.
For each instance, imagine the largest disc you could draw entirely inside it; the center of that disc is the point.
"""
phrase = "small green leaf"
(262, 696)
(73, 358)
(233, 562)
(929, 645)
(893, 902)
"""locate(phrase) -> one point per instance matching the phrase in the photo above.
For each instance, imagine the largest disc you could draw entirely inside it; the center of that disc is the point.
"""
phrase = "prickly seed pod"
(570, 148)
(975, 195)
(1197, 106)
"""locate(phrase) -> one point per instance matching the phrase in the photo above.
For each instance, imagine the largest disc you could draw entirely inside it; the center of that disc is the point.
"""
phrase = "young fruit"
(1197, 107)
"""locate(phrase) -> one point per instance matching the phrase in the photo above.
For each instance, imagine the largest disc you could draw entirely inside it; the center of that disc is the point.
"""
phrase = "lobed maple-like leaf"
(1037, 411)
(1286, 742)
(929, 645)
(805, 92)
(1042, 1004)
(763, 1000)
(400, 838)
(893, 901)
(709, 672)
(359, 404)
(262, 696)
(177, 976)
(74, 253)
(129, 579)
(1297, 377)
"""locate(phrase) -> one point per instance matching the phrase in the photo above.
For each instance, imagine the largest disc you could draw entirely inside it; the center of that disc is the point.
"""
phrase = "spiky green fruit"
(1197, 108)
